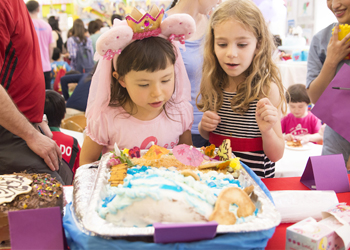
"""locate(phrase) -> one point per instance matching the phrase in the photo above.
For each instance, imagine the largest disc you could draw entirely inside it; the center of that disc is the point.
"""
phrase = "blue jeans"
(198, 141)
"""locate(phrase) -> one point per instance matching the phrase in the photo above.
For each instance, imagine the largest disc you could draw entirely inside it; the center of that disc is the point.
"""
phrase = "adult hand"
(266, 115)
(337, 50)
(210, 121)
(47, 149)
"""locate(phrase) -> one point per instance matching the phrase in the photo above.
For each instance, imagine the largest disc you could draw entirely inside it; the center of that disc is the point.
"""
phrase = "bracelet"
(45, 118)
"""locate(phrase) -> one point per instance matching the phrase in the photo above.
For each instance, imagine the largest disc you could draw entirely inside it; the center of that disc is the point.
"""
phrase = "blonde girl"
(241, 90)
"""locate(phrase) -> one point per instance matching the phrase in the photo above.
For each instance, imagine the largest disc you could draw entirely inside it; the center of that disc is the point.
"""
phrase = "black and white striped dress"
(245, 136)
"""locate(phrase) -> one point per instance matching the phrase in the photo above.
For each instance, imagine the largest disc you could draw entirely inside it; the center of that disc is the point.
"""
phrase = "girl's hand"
(337, 50)
(266, 115)
(304, 138)
(210, 121)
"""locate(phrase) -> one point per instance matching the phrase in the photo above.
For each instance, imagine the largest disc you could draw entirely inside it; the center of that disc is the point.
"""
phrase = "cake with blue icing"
(139, 195)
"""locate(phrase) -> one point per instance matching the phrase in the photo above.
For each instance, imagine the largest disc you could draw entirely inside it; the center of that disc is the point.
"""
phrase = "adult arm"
(186, 138)
(268, 117)
(51, 47)
(90, 151)
(15, 122)
(336, 51)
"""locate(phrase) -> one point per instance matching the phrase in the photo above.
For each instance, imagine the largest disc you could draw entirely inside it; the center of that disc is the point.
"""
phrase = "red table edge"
(278, 240)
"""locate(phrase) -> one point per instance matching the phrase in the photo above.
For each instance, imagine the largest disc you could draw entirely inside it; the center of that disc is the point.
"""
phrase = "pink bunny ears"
(177, 27)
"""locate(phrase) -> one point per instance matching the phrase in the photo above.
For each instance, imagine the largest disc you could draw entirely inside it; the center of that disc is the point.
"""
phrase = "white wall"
(323, 15)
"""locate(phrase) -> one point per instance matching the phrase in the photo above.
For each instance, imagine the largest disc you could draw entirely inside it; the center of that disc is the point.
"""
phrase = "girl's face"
(149, 91)
(207, 6)
(234, 47)
(341, 10)
(298, 109)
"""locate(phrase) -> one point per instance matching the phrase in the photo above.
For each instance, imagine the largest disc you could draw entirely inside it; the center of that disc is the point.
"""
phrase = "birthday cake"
(158, 187)
(20, 191)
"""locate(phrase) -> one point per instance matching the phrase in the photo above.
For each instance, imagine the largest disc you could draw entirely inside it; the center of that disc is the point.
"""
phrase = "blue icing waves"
(143, 182)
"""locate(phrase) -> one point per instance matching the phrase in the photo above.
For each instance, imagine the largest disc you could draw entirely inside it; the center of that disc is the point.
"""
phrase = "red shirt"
(65, 143)
(21, 72)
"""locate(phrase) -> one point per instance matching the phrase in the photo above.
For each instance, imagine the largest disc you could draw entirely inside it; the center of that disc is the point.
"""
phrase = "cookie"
(225, 151)
(190, 173)
(232, 195)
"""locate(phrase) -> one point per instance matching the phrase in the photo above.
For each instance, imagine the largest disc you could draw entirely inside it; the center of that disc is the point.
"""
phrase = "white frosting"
(151, 195)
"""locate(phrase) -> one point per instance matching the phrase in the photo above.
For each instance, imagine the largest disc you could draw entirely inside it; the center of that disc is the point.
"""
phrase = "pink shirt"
(309, 124)
(115, 125)
(44, 33)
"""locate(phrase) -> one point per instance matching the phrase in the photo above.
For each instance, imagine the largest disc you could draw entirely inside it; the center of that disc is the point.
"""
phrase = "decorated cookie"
(155, 152)
(210, 150)
(232, 195)
(13, 185)
(225, 151)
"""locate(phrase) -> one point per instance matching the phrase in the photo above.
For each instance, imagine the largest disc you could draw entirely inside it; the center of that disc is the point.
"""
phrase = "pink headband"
(175, 28)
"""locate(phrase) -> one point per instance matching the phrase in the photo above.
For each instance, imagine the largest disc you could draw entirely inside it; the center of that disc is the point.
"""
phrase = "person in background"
(193, 54)
(103, 27)
(22, 97)
(79, 97)
(58, 69)
(56, 33)
(116, 16)
(94, 30)
(326, 57)
(300, 124)
(55, 110)
(77, 39)
(242, 93)
(46, 43)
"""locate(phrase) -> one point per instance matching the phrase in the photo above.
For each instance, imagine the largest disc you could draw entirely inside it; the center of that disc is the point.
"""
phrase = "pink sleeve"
(187, 115)
(97, 129)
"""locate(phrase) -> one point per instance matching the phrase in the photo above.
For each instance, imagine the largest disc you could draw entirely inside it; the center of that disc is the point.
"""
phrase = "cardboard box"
(332, 232)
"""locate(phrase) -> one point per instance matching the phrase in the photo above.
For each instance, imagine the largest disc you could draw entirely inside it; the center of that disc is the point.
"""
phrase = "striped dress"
(245, 136)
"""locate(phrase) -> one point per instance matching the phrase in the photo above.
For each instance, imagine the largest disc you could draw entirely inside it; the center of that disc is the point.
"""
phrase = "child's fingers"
(262, 102)
(212, 116)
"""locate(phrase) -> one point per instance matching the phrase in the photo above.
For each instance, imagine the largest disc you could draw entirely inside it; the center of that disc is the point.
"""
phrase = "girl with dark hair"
(139, 92)
(77, 40)
(56, 32)
(300, 124)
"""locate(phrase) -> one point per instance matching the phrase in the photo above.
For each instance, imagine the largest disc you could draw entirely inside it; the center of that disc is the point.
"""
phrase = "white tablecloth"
(292, 72)
(294, 162)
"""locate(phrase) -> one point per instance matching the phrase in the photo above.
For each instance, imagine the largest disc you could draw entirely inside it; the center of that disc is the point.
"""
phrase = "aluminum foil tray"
(86, 196)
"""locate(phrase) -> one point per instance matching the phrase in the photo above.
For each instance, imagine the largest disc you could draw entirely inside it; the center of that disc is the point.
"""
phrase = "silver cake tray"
(89, 182)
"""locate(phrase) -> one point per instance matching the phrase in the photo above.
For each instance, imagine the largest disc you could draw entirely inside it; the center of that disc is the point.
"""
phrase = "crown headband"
(177, 27)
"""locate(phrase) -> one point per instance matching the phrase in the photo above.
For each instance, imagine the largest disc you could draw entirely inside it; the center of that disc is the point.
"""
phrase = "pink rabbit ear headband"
(177, 27)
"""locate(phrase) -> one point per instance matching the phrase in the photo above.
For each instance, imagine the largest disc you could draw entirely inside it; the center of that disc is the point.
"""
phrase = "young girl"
(142, 97)
(300, 124)
(241, 90)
